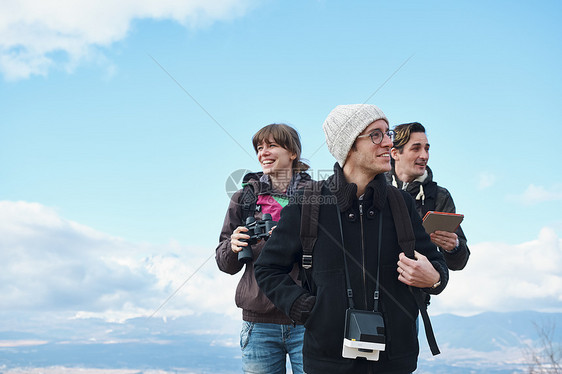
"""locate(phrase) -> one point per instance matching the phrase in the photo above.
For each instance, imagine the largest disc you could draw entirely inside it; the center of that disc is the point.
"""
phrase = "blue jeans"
(265, 347)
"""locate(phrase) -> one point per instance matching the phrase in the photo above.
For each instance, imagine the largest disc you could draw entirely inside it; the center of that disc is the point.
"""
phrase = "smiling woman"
(278, 149)
(266, 331)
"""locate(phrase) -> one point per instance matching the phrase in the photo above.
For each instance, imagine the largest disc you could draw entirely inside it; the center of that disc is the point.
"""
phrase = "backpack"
(404, 230)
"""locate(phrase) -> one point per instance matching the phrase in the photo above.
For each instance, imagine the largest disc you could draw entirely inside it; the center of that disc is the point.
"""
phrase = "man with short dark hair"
(358, 265)
(410, 173)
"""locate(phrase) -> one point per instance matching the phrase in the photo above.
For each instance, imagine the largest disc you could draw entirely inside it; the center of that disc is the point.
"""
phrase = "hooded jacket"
(430, 196)
(255, 306)
(323, 304)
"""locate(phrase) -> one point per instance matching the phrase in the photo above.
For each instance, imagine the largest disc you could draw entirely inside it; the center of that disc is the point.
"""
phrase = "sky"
(120, 124)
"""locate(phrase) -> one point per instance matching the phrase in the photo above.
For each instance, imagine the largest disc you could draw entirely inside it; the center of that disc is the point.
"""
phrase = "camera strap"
(350, 303)
(348, 282)
(377, 293)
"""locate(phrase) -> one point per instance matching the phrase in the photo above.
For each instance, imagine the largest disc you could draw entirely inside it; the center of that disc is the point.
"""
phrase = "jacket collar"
(413, 186)
(262, 183)
(346, 193)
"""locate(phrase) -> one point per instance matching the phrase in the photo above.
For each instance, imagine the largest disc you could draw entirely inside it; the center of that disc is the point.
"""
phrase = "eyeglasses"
(377, 136)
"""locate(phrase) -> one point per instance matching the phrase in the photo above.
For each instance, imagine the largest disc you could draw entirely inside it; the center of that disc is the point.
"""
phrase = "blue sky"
(120, 125)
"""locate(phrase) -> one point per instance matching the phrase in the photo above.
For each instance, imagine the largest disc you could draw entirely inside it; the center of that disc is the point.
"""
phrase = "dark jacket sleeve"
(272, 268)
(227, 260)
(457, 259)
(426, 247)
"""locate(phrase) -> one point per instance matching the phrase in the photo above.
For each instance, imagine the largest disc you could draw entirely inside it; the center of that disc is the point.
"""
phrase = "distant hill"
(486, 343)
(491, 343)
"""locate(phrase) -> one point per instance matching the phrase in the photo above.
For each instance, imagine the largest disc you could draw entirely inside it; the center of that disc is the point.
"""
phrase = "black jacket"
(322, 306)
(430, 196)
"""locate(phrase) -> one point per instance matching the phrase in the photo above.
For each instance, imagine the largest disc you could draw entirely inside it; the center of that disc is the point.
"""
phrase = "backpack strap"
(248, 202)
(407, 241)
(406, 238)
(309, 220)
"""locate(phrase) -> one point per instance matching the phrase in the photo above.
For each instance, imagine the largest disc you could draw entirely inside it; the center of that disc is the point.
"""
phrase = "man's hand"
(418, 273)
(443, 239)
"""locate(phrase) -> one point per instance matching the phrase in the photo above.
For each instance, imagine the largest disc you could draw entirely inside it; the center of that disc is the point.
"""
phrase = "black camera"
(364, 334)
(257, 230)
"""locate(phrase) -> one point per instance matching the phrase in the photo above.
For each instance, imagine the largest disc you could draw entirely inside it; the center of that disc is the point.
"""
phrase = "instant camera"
(364, 334)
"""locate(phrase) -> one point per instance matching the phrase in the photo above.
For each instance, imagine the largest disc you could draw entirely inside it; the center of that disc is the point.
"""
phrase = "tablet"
(434, 221)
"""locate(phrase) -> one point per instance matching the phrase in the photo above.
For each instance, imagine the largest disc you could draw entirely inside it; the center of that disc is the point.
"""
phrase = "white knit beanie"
(345, 123)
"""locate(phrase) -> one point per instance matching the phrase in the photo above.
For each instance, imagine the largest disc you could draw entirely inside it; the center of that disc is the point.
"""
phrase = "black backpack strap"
(248, 202)
(407, 241)
(420, 298)
(402, 222)
(309, 220)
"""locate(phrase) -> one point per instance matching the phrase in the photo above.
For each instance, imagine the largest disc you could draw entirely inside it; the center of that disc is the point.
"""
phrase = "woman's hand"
(271, 231)
(236, 243)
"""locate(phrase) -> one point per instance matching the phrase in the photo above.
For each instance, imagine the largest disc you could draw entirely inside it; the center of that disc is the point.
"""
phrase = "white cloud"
(503, 277)
(538, 194)
(486, 180)
(54, 266)
(51, 264)
(34, 35)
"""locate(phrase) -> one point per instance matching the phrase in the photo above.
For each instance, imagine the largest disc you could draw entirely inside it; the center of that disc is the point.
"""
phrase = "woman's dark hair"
(287, 137)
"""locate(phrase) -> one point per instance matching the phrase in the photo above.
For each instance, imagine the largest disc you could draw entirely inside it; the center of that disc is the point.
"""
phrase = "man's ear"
(394, 153)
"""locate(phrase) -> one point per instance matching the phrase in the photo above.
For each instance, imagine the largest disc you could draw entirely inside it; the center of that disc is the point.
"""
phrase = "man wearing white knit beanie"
(357, 263)
(345, 123)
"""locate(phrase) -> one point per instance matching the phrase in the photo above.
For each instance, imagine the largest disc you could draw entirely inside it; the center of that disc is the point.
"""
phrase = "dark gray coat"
(437, 198)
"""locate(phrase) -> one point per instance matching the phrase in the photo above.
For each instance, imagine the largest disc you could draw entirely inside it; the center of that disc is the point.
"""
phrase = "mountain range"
(496, 343)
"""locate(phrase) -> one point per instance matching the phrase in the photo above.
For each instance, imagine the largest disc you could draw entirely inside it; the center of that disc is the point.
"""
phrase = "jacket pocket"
(245, 333)
(249, 296)
(324, 326)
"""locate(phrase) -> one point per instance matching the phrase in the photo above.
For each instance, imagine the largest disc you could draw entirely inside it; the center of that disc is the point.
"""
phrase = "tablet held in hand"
(441, 221)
